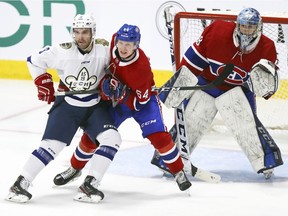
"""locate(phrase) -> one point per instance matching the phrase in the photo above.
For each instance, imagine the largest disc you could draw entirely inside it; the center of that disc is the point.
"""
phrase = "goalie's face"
(126, 49)
(248, 37)
(83, 38)
(247, 30)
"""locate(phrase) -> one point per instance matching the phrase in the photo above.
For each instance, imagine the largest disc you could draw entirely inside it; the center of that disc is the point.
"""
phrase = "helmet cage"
(249, 16)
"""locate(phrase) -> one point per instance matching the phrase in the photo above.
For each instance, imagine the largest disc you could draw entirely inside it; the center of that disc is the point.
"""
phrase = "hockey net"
(273, 113)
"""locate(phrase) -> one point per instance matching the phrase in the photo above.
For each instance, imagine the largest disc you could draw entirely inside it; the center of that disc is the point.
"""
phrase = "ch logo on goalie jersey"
(82, 81)
(236, 77)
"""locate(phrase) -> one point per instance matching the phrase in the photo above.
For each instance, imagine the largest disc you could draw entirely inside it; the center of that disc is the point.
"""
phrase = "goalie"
(254, 74)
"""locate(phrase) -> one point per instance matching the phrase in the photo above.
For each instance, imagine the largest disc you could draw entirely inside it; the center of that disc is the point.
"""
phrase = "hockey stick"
(196, 172)
(66, 93)
(219, 80)
(93, 91)
(180, 120)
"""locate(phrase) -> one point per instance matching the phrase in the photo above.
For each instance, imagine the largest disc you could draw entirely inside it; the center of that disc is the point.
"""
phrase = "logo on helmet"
(129, 33)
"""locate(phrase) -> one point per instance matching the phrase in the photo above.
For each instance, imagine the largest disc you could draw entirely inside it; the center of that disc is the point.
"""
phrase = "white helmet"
(247, 43)
(84, 21)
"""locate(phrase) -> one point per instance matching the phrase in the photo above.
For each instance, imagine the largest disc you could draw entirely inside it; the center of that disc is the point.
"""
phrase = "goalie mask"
(84, 21)
(129, 33)
(248, 30)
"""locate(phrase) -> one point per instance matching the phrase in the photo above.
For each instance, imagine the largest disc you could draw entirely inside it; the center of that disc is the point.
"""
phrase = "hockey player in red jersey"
(255, 73)
(129, 85)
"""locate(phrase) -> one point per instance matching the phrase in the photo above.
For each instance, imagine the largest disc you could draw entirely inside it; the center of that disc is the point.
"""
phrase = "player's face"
(83, 37)
(247, 29)
(125, 49)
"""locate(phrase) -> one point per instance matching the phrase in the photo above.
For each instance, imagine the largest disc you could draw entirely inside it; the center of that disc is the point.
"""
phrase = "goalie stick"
(196, 172)
(227, 70)
(218, 81)
(180, 120)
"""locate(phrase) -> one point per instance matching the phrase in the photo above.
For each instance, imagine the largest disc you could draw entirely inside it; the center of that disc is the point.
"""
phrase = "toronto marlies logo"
(82, 81)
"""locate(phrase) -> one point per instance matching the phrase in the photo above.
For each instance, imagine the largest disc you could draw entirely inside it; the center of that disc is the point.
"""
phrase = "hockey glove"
(264, 78)
(44, 84)
(112, 89)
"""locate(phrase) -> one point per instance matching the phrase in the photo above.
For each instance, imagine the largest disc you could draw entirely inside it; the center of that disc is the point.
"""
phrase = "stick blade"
(204, 175)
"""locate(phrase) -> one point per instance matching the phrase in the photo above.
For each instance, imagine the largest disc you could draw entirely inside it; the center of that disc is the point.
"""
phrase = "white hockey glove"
(183, 77)
(264, 78)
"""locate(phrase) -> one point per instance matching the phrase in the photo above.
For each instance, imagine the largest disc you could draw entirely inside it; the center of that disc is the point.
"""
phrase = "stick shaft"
(220, 79)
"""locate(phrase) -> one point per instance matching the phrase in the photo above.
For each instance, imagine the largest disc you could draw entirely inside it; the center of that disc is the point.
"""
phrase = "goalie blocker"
(183, 77)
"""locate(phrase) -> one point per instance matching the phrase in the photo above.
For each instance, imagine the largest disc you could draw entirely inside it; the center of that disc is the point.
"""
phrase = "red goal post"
(189, 25)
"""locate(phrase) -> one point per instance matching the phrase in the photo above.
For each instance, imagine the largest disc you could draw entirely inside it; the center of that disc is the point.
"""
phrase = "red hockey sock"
(83, 152)
(171, 157)
(162, 141)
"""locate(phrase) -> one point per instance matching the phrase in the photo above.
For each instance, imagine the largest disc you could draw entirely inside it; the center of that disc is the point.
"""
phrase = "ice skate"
(88, 191)
(67, 176)
(268, 173)
(156, 160)
(182, 181)
(18, 192)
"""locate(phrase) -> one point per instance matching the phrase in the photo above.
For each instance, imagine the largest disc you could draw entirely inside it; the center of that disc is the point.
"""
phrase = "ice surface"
(132, 185)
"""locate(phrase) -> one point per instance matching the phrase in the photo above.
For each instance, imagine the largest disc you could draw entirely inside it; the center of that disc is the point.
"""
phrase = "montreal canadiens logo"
(236, 77)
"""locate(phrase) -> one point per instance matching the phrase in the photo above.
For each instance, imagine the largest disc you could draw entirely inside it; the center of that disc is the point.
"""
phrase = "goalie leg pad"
(237, 115)
(199, 114)
(272, 157)
(183, 77)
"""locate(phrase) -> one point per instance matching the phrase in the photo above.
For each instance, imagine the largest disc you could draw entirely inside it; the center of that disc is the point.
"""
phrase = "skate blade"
(188, 192)
(268, 176)
(19, 198)
(82, 197)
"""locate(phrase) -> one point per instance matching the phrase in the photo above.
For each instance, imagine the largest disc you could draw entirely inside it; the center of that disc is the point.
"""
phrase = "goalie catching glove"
(44, 84)
(264, 78)
(112, 89)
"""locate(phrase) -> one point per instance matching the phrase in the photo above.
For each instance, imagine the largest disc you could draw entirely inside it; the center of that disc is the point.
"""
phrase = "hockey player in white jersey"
(254, 57)
(80, 65)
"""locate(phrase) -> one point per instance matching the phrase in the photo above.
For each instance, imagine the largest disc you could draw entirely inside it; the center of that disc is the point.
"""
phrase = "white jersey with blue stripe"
(76, 70)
